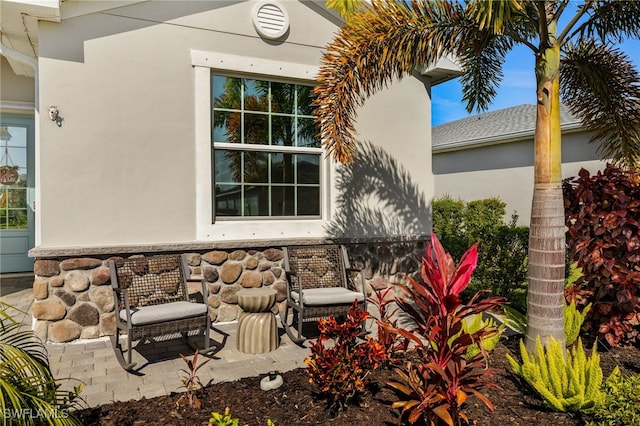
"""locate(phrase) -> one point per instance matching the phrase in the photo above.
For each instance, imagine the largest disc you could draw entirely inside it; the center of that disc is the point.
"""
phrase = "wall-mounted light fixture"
(54, 115)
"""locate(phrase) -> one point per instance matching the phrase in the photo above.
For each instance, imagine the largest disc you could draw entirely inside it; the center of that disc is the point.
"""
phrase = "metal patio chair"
(152, 299)
(319, 283)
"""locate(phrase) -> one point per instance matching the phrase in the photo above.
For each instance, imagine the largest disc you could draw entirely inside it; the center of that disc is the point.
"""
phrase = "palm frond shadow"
(377, 198)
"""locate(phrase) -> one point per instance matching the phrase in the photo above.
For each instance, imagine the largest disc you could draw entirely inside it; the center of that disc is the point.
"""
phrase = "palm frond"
(601, 87)
(383, 42)
(482, 64)
(346, 8)
(27, 385)
(494, 15)
(611, 21)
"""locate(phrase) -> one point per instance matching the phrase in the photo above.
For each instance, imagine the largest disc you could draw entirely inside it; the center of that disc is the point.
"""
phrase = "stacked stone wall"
(74, 299)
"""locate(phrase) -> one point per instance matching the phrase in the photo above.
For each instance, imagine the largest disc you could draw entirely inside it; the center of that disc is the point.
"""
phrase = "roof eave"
(445, 69)
(572, 127)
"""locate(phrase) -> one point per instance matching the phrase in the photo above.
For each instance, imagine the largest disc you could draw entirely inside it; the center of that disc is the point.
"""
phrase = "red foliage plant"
(341, 369)
(436, 387)
(602, 215)
(386, 337)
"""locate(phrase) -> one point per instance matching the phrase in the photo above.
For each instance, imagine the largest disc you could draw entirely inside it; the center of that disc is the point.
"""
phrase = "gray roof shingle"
(501, 125)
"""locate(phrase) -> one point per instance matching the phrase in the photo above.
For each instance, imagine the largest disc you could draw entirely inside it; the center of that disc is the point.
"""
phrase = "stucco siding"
(505, 171)
(15, 88)
(121, 169)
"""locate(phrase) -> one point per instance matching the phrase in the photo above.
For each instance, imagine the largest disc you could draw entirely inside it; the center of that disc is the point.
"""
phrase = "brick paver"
(94, 363)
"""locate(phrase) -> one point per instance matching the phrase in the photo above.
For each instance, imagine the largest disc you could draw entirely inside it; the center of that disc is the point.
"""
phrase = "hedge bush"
(502, 247)
(602, 215)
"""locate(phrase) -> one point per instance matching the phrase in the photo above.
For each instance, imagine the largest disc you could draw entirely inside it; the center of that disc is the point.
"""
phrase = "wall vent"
(270, 19)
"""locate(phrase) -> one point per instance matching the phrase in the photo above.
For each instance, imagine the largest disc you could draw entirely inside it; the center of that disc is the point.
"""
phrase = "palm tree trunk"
(545, 304)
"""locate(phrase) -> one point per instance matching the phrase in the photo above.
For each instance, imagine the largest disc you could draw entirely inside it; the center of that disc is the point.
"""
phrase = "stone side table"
(257, 327)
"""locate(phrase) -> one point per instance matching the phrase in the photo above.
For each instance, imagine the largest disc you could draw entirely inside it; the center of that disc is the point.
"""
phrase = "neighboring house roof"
(501, 126)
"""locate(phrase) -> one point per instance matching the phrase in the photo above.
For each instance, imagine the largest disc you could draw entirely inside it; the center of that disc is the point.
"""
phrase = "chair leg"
(207, 341)
(298, 339)
(117, 349)
(207, 349)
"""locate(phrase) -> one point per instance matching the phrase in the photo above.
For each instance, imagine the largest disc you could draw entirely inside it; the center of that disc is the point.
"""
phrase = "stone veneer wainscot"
(74, 300)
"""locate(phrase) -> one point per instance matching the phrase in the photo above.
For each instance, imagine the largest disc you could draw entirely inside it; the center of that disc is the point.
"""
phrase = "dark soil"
(296, 401)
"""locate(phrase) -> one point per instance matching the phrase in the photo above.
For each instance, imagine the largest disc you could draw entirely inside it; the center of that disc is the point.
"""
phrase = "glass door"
(16, 193)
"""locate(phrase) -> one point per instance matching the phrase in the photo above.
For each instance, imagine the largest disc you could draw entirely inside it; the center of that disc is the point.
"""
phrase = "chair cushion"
(328, 296)
(165, 312)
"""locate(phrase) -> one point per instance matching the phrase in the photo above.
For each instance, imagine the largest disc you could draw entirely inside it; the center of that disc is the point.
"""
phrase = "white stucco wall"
(125, 165)
(505, 171)
(15, 89)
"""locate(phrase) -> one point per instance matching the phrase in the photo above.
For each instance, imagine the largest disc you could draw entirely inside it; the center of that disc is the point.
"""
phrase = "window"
(13, 196)
(266, 155)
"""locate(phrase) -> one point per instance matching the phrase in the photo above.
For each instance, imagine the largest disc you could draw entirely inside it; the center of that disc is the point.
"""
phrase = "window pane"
(282, 201)
(283, 98)
(282, 131)
(256, 129)
(308, 169)
(256, 95)
(226, 92)
(256, 200)
(228, 166)
(256, 167)
(228, 200)
(305, 99)
(282, 168)
(308, 201)
(226, 127)
(308, 133)
(253, 182)
(16, 198)
(16, 219)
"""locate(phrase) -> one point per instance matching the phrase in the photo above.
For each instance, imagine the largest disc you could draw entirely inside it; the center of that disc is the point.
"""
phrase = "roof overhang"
(19, 25)
(19, 30)
(445, 69)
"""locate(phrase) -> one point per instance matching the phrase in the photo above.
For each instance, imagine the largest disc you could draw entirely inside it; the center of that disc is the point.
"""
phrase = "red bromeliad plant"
(436, 387)
(341, 369)
(603, 219)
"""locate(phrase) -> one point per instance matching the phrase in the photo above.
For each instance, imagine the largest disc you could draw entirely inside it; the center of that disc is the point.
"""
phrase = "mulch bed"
(296, 402)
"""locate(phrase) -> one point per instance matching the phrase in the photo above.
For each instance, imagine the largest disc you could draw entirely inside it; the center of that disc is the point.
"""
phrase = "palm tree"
(388, 40)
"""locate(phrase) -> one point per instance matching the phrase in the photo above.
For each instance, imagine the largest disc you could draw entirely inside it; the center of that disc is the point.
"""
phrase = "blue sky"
(517, 87)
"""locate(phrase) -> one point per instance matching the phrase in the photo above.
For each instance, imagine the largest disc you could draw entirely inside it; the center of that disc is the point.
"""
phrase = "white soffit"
(270, 19)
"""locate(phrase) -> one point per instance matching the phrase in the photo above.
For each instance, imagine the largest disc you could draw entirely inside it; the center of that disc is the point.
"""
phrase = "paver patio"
(93, 362)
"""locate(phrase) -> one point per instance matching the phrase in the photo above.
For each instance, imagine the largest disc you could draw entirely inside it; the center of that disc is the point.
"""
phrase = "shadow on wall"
(379, 201)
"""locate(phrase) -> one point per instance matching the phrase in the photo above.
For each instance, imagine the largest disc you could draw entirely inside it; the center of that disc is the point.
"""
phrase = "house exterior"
(490, 155)
(187, 126)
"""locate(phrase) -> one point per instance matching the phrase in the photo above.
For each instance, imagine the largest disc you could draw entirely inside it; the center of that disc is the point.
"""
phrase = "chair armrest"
(352, 281)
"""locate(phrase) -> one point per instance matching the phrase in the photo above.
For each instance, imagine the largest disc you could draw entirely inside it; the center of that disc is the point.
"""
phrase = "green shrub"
(573, 320)
(448, 224)
(502, 247)
(29, 394)
(475, 323)
(225, 419)
(621, 405)
(515, 319)
(570, 383)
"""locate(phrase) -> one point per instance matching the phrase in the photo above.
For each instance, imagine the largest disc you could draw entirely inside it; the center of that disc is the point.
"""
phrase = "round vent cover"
(270, 19)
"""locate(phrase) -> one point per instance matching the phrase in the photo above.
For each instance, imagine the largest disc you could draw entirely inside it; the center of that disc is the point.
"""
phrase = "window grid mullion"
(269, 149)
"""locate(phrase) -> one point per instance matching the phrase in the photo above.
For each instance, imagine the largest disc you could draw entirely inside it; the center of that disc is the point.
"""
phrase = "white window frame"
(206, 63)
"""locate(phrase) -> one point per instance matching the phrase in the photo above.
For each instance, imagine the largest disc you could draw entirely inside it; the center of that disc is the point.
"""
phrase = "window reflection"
(256, 181)
(13, 196)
